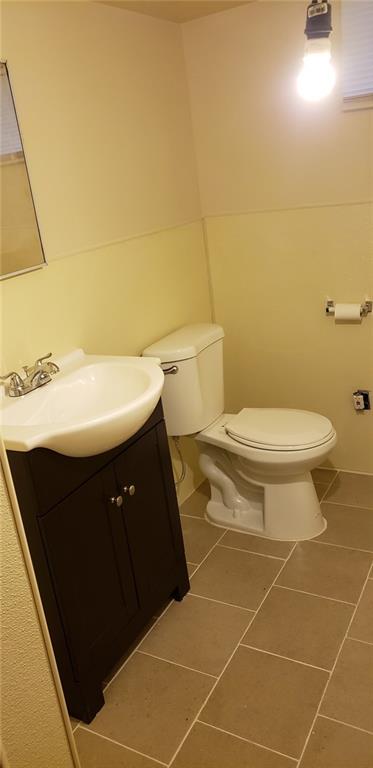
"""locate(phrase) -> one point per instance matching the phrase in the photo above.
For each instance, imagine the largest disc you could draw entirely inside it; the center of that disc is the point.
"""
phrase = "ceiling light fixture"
(317, 77)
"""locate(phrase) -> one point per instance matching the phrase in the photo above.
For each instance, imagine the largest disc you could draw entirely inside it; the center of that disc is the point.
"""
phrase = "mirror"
(21, 249)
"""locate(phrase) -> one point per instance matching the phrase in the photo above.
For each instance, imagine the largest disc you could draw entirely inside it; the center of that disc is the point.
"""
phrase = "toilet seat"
(279, 429)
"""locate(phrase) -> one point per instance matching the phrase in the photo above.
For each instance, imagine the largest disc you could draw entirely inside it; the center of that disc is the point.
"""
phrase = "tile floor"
(267, 662)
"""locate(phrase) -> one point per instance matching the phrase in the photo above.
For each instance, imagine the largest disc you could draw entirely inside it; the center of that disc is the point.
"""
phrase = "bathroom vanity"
(105, 539)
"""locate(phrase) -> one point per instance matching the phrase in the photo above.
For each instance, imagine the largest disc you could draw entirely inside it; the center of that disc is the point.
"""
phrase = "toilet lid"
(279, 429)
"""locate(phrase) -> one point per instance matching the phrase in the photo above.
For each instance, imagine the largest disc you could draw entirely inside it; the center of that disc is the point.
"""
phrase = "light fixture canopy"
(317, 77)
(318, 19)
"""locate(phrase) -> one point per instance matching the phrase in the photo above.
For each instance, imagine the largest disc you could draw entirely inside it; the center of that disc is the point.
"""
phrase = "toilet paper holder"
(365, 307)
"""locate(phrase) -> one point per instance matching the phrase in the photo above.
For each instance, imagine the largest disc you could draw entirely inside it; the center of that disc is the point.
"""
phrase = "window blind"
(10, 141)
(357, 50)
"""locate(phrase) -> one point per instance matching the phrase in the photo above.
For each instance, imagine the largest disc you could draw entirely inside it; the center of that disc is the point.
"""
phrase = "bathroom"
(179, 178)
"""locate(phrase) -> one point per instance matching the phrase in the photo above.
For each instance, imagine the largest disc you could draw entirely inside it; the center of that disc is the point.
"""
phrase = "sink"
(95, 403)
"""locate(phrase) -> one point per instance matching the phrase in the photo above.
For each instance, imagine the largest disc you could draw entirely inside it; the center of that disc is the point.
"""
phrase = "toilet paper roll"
(347, 313)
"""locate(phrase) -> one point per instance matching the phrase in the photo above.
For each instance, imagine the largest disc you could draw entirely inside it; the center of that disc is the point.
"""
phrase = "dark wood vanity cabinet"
(105, 538)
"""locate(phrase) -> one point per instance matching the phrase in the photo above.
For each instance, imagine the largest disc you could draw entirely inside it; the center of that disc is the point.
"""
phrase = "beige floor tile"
(320, 475)
(265, 699)
(362, 625)
(348, 526)
(150, 705)
(333, 745)
(257, 544)
(350, 488)
(96, 752)
(235, 577)
(321, 490)
(199, 537)
(74, 723)
(207, 747)
(326, 570)
(198, 633)
(196, 504)
(299, 626)
(349, 696)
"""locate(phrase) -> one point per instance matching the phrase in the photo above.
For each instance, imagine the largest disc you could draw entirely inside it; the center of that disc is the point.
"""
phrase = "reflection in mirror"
(20, 244)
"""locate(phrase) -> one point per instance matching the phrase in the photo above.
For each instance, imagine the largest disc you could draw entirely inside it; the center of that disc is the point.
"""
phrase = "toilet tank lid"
(185, 343)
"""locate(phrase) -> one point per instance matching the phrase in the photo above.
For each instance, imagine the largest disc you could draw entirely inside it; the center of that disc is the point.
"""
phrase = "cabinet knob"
(117, 500)
(131, 489)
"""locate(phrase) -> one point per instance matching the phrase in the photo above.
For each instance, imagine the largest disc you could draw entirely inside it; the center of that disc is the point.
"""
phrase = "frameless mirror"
(21, 249)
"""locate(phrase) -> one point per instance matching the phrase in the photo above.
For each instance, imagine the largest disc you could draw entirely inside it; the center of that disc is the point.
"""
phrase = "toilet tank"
(193, 397)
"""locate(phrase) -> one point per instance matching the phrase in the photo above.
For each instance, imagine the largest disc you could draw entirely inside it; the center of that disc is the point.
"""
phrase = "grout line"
(74, 727)
(155, 624)
(176, 664)
(189, 563)
(209, 552)
(322, 495)
(255, 533)
(331, 672)
(314, 594)
(228, 662)
(221, 602)
(329, 485)
(350, 506)
(193, 517)
(250, 552)
(286, 658)
(247, 741)
(357, 640)
(341, 546)
(119, 744)
(348, 725)
(135, 649)
(349, 471)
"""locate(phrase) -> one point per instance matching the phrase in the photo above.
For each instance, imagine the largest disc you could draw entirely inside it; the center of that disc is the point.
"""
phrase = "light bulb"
(317, 77)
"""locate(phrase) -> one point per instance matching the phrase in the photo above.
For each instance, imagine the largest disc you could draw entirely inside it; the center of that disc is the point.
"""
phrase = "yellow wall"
(33, 732)
(286, 189)
(102, 100)
(113, 300)
(101, 97)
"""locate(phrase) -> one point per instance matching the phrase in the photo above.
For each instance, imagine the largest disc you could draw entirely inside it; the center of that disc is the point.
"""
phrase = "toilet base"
(285, 509)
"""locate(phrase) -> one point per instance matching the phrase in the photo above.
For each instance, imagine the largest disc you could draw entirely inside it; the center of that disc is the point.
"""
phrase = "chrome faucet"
(35, 376)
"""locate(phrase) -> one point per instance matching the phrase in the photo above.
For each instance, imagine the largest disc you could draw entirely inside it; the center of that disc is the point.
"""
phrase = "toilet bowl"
(266, 488)
(258, 461)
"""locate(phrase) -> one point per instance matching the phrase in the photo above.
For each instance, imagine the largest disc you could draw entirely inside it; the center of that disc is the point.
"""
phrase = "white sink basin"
(92, 405)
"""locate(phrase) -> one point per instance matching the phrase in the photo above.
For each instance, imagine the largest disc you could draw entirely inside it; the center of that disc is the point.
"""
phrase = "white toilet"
(258, 461)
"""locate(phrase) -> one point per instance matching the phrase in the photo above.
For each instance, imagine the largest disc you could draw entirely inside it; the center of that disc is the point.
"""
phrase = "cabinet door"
(87, 551)
(147, 516)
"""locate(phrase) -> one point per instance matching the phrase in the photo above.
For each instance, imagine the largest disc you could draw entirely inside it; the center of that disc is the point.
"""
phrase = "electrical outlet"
(361, 400)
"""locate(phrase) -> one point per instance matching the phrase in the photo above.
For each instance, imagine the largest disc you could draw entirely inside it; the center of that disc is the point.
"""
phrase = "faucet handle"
(9, 375)
(16, 384)
(51, 367)
(40, 360)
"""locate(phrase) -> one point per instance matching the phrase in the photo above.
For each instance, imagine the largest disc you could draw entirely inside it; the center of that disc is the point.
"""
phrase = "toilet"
(258, 461)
